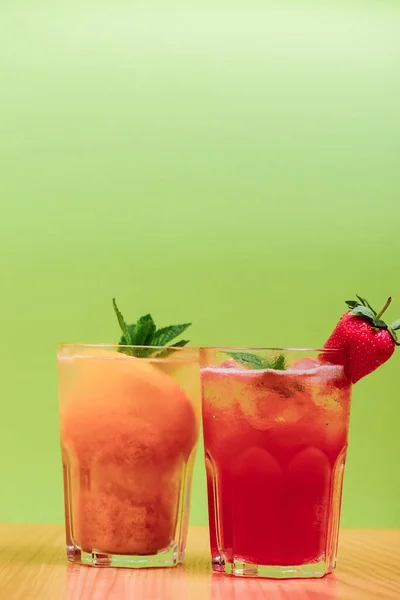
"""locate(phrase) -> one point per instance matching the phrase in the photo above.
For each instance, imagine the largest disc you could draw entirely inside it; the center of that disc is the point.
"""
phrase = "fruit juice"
(275, 447)
(129, 429)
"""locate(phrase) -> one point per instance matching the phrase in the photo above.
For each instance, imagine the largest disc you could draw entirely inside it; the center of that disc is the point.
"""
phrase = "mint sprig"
(145, 333)
(253, 361)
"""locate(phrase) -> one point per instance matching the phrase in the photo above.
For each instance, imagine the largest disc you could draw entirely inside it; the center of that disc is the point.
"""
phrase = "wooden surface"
(33, 567)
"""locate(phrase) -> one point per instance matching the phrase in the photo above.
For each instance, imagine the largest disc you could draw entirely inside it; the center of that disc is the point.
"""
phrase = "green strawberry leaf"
(395, 325)
(360, 302)
(258, 362)
(352, 303)
(369, 306)
(163, 336)
(365, 302)
(393, 334)
(363, 311)
(379, 324)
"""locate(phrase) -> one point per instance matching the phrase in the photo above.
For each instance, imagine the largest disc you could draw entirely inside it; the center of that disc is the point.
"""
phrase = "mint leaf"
(166, 334)
(144, 331)
(122, 324)
(395, 325)
(132, 333)
(131, 330)
(126, 349)
(279, 363)
(179, 344)
(247, 359)
(258, 362)
(172, 348)
(363, 311)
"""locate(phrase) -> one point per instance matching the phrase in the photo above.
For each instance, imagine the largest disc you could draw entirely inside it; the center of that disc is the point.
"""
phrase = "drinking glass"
(275, 435)
(129, 422)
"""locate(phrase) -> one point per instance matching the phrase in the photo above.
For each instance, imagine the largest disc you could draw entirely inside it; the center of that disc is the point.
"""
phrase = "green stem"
(380, 313)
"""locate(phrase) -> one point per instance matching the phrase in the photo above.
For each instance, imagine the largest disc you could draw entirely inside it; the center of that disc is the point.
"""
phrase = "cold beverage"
(275, 447)
(129, 429)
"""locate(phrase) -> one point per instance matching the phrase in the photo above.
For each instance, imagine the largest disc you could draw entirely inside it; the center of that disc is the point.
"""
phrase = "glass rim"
(111, 346)
(199, 348)
(272, 348)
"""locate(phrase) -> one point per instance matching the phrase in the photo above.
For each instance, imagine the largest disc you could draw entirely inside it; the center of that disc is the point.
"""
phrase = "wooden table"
(33, 567)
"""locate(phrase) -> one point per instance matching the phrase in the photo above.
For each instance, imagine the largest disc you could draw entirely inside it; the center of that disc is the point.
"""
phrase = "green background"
(235, 164)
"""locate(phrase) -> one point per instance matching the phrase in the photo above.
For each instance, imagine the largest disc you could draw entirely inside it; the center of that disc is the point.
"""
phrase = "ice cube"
(304, 364)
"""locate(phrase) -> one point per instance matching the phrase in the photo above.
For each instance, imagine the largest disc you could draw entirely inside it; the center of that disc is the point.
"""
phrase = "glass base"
(241, 568)
(170, 557)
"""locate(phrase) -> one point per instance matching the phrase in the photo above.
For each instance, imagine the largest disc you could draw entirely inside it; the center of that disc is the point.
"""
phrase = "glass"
(129, 430)
(275, 449)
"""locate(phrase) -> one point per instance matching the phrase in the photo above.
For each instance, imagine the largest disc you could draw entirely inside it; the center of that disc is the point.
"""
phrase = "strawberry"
(366, 341)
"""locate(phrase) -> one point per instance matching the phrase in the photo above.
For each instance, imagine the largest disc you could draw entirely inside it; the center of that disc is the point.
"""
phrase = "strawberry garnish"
(365, 339)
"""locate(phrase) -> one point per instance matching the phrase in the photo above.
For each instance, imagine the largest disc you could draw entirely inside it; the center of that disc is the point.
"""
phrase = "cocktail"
(129, 421)
(275, 445)
(275, 435)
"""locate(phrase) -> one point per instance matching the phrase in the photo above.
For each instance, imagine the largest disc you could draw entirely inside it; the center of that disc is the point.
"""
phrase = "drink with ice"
(275, 435)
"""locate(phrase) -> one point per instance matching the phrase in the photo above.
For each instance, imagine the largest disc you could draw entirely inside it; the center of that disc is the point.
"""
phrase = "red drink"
(275, 446)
